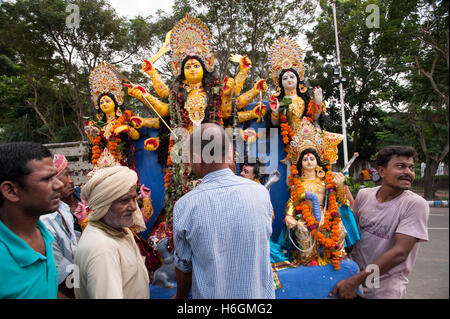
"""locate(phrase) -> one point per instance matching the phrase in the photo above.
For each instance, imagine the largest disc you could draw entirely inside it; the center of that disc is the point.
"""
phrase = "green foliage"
(353, 186)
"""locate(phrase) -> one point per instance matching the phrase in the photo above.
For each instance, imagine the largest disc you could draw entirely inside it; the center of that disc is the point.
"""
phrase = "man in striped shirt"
(222, 227)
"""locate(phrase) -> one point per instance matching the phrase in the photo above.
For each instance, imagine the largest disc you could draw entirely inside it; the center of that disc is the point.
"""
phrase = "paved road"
(429, 277)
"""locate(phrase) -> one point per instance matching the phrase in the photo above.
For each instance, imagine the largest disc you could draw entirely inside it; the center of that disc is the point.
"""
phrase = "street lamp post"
(341, 87)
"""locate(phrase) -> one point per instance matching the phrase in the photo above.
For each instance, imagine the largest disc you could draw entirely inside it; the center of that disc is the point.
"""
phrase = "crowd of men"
(221, 229)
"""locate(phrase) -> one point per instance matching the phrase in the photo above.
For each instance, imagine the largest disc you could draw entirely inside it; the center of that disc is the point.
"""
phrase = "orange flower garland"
(96, 150)
(286, 131)
(328, 234)
(168, 175)
(114, 140)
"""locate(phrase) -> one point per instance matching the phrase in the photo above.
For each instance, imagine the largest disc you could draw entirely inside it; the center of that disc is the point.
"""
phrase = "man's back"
(223, 226)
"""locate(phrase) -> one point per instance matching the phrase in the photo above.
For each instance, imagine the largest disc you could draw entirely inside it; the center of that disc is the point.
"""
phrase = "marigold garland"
(113, 144)
(168, 175)
(286, 131)
(328, 234)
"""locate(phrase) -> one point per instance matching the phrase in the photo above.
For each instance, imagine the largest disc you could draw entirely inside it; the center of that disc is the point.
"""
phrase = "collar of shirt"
(219, 174)
(107, 229)
(22, 253)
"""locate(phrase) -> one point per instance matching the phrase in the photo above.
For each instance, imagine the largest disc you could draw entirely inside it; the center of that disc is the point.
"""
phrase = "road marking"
(436, 228)
(437, 215)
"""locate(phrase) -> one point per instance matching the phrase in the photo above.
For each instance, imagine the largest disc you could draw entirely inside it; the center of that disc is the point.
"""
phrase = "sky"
(131, 8)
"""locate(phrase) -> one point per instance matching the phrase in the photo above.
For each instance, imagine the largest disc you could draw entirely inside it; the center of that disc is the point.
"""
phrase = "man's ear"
(10, 191)
(381, 171)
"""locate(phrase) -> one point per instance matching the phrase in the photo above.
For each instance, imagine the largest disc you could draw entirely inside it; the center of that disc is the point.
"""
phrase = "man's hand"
(345, 289)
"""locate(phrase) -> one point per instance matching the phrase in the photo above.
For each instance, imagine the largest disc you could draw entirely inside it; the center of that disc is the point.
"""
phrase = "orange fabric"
(366, 174)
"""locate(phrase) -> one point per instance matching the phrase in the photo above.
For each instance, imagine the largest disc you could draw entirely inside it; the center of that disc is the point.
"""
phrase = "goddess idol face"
(289, 81)
(309, 162)
(193, 71)
(107, 105)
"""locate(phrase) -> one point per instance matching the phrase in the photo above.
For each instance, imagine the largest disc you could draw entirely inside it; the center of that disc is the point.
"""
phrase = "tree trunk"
(431, 166)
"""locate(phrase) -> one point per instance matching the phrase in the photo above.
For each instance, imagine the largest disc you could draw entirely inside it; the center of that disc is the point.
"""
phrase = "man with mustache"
(64, 227)
(392, 221)
(109, 260)
(28, 189)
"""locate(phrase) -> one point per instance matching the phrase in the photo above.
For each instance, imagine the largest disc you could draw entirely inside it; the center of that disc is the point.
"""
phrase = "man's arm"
(396, 255)
(184, 283)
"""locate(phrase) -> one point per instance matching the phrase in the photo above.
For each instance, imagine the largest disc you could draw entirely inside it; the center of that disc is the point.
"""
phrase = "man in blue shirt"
(222, 227)
(28, 189)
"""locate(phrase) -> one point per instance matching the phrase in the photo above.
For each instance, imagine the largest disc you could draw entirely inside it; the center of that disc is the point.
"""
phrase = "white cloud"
(132, 8)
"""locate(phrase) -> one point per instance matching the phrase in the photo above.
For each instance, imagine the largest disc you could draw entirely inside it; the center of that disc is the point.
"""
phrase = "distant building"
(441, 170)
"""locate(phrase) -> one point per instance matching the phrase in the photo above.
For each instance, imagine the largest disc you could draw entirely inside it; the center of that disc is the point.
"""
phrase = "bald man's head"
(210, 148)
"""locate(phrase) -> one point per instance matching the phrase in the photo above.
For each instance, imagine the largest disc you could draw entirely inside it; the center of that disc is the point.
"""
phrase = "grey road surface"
(429, 277)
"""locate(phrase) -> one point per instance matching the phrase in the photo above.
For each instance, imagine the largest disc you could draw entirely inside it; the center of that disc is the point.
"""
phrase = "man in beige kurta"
(108, 259)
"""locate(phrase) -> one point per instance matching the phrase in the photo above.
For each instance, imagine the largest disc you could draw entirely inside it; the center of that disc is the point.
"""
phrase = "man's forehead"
(131, 192)
(401, 159)
(43, 166)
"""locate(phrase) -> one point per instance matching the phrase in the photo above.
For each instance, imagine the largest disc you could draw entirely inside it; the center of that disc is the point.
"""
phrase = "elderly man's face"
(120, 214)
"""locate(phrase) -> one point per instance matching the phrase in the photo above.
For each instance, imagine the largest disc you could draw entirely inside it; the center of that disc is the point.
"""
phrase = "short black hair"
(255, 163)
(385, 155)
(14, 158)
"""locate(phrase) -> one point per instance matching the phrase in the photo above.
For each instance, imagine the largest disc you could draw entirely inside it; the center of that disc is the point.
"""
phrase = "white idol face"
(289, 81)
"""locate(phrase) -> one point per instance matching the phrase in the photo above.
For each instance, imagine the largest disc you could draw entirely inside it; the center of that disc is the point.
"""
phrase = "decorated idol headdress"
(285, 54)
(190, 37)
(104, 80)
(308, 136)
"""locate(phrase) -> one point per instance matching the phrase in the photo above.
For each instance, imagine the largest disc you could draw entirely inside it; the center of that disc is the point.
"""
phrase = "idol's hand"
(260, 86)
(339, 179)
(274, 104)
(121, 129)
(290, 222)
(145, 191)
(136, 91)
(259, 108)
(136, 121)
(92, 130)
(318, 95)
(151, 144)
(147, 66)
(227, 85)
(245, 63)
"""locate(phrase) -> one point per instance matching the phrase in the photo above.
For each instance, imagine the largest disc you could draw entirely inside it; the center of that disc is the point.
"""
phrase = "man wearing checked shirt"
(222, 227)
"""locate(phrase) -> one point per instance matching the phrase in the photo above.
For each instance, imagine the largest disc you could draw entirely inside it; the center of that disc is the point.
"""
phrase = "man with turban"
(108, 259)
(72, 194)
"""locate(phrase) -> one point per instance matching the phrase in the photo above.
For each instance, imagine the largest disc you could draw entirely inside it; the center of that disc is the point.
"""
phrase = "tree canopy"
(396, 68)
